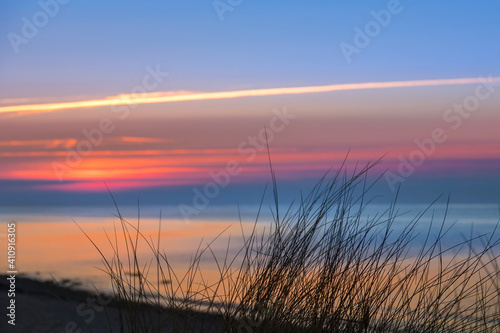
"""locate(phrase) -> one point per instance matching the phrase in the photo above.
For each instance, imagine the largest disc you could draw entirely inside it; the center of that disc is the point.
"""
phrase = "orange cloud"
(130, 139)
(43, 143)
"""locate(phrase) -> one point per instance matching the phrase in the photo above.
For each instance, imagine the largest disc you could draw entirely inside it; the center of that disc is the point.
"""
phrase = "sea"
(72, 244)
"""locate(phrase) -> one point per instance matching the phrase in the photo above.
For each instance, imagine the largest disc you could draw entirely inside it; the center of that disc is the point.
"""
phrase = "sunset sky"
(160, 99)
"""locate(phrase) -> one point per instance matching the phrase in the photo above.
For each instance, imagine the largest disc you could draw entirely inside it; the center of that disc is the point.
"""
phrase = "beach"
(63, 307)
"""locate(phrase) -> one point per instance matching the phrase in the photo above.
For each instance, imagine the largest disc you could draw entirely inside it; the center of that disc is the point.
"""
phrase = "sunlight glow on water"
(51, 244)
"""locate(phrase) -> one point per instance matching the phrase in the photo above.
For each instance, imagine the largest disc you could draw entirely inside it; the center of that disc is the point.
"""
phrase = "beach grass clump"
(320, 266)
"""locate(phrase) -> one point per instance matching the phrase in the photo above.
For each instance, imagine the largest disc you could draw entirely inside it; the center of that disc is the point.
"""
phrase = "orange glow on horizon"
(143, 169)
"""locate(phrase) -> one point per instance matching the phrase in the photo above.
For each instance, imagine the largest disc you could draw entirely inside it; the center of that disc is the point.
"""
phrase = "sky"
(172, 102)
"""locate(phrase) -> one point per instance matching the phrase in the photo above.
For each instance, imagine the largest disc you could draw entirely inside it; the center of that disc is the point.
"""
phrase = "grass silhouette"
(321, 266)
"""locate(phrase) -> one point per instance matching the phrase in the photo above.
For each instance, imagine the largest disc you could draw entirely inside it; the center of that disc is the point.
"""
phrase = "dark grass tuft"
(320, 267)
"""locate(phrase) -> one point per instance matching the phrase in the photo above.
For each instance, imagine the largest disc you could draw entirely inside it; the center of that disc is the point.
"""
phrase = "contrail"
(168, 97)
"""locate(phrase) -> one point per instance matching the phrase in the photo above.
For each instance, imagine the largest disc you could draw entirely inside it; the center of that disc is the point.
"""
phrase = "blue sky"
(96, 50)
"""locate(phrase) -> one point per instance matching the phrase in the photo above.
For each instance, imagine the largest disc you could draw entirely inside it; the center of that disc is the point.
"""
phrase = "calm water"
(49, 243)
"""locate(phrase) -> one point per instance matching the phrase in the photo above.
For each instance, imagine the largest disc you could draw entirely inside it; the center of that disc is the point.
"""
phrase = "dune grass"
(321, 266)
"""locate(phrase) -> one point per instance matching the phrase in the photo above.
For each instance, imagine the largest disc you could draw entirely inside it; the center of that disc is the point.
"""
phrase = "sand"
(49, 307)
